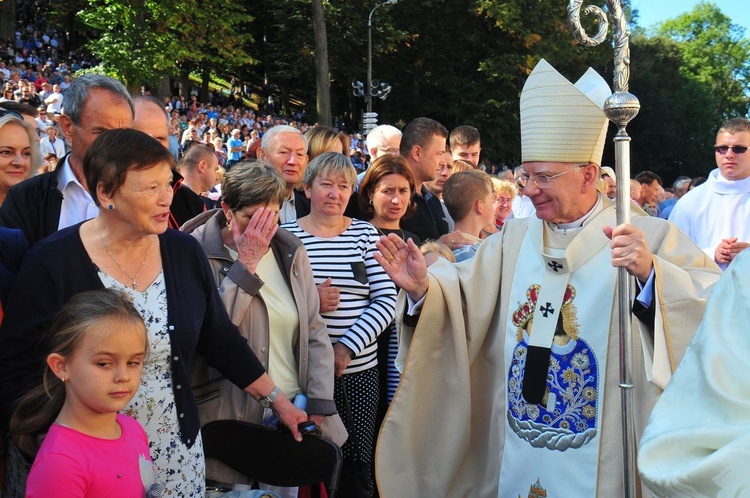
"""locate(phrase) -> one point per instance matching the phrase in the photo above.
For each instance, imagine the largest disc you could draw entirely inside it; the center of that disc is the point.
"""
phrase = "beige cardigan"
(217, 398)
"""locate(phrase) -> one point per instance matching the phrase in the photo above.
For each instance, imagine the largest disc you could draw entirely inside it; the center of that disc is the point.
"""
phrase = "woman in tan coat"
(266, 284)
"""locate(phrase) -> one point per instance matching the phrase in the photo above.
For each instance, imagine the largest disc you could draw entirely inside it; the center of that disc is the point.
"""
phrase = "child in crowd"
(99, 343)
(433, 250)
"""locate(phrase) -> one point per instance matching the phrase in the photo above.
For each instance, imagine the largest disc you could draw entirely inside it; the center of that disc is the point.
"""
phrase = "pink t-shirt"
(72, 464)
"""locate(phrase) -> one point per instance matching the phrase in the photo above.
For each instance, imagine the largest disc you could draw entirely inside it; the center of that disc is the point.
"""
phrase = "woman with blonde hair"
(324, 139)
(505, 191)
(18, 151)
(358, 303)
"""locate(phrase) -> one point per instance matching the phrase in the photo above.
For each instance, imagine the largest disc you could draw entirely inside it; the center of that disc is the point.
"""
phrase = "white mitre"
(562, 122)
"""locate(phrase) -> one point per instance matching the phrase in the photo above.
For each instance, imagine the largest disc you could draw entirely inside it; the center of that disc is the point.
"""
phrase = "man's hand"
(728, 249)
(329, 296)
(342, 355)
(403, 262)
(630, 251)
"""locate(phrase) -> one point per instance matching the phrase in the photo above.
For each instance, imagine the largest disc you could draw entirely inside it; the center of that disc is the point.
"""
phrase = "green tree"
(140, 41)
(716, 54)
(674, 130)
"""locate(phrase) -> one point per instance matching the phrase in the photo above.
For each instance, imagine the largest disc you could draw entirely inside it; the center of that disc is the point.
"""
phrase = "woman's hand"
(252, 244)
(329, 296)
(342, 355)
(403, 262)
(289, 415)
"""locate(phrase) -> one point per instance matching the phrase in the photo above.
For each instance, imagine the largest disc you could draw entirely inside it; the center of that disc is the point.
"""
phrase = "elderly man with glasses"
(514, 353)
(715, 214)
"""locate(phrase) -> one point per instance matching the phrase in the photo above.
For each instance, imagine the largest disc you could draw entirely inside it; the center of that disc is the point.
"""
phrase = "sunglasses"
(737, 149)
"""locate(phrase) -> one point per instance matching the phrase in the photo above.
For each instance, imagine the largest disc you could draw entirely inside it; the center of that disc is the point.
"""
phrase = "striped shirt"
(367, 295)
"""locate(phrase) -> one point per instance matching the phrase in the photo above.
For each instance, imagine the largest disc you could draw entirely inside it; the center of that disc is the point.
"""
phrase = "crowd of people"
(190, 262)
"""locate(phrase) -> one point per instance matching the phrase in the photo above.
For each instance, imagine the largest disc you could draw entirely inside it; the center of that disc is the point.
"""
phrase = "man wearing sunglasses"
(715, 214)
(512, 356)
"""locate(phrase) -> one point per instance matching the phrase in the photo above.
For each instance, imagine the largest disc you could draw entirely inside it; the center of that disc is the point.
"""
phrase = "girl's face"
(104, 371)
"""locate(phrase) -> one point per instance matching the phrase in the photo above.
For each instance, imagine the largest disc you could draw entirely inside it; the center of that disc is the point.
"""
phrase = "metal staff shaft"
(620, 108)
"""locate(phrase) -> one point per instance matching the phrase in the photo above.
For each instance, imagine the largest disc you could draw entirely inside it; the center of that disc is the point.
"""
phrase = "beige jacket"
(219, 399)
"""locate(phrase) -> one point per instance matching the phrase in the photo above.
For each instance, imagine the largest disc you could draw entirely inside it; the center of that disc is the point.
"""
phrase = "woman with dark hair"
(128, 247)
(385, 196)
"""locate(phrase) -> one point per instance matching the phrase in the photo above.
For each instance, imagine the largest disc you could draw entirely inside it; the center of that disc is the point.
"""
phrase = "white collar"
(563, 228)
(721, 185)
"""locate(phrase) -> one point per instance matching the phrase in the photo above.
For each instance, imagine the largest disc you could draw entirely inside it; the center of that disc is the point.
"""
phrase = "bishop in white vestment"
(510, 359)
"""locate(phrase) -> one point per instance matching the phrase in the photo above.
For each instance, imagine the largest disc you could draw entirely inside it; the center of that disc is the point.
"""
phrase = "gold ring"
(390, 259)
(453, 241)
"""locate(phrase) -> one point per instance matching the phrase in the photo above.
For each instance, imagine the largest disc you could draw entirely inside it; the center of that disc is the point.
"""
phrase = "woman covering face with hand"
(267, 286)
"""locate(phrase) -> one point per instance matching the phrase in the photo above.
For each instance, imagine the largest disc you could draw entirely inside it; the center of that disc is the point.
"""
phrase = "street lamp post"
(368, 85)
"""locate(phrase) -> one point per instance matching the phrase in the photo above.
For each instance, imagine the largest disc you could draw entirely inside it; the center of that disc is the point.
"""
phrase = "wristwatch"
(267, 401)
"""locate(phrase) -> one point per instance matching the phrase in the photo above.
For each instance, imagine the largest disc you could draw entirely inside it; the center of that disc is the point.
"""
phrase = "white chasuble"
(560, 304)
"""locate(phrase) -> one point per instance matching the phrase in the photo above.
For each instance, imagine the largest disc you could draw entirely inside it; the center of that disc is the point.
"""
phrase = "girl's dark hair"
(109, 158)
(37, 410)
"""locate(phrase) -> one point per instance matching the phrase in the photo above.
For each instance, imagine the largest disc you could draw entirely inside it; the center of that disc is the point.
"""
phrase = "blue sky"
(655, 11)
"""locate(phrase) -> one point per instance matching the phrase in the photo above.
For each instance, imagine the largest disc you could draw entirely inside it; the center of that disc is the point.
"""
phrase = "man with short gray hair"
(52, 201)
(285, 148)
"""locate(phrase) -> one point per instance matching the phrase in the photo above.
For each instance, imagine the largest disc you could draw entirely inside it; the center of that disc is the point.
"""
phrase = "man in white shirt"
(55, 101)
(52, 144)
(49, 202)
(714, 215)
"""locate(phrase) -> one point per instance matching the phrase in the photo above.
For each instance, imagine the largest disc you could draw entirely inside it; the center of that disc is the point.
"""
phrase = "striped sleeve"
(367, 294)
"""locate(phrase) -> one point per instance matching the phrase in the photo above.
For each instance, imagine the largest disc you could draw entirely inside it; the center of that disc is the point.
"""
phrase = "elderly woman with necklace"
(128, 247)
(341, 252)
(386, 194)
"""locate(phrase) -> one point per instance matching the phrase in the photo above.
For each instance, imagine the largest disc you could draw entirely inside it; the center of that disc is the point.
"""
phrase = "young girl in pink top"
(99, 343)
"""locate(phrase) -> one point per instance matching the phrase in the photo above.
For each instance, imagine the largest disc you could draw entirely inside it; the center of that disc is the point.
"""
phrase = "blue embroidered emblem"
(567, 416)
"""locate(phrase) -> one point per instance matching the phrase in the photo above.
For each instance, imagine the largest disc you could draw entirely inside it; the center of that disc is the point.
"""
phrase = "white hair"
(377, 137)
(272, 132)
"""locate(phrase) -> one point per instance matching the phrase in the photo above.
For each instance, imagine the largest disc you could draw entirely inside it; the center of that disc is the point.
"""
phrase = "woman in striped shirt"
(357, 303)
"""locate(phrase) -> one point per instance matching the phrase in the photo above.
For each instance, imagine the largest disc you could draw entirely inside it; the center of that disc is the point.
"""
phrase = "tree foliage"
(716, 55)
(458, 61)
(143, 40)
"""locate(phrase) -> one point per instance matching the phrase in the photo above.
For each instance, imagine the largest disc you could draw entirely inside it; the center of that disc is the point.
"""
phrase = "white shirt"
(77, 204)
(47, 147)
(716, 210)
(55, 103)
(522, 207)
(288, 211)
